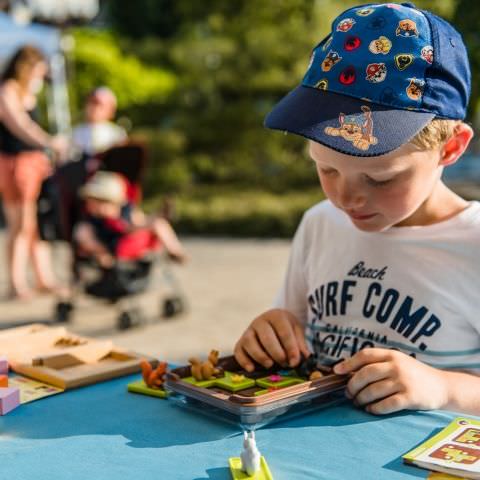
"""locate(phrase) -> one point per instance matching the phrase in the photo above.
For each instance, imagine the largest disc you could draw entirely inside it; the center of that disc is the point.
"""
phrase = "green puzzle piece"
(201, 383)
(140, 387)
(265, 382)
(238, 474)
(228, 384)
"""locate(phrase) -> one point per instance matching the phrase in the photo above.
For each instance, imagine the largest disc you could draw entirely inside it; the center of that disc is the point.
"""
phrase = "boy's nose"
(350, 198)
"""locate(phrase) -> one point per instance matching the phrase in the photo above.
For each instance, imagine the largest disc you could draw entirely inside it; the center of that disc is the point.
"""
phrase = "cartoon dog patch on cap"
(355, 128)
(415, 88)
(330, 60)
(407, 28)
(376, 72)
(380, 45)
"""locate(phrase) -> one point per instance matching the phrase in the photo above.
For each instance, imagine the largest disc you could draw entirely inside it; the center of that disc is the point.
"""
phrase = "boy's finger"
(284, 329)
(256, 352)
(390, 404)
(269, 340)
(243, 359)
(300, 336)
(376, 391)
(362, 358)
(367, 375)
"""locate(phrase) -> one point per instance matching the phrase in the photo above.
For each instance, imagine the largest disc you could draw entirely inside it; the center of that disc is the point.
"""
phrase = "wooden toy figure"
(250, 455)
(207, 369)
(153, 378)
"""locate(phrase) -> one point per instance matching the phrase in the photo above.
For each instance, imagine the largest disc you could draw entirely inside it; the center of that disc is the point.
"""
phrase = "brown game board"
(255, 399)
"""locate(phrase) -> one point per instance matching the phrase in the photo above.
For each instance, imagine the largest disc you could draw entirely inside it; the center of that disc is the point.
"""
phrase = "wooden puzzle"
(235, 390)
(57, 357)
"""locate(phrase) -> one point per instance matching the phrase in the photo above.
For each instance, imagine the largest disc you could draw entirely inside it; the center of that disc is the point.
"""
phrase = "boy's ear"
(456, 145)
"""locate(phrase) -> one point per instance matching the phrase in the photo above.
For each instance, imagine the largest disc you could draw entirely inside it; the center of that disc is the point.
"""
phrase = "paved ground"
(227, 282)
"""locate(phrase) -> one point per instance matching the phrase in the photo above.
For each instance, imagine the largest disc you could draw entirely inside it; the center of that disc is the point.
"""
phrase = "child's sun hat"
(106, 186)
(382, 74)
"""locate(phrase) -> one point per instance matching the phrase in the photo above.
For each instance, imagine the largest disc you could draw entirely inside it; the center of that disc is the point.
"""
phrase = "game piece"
(307, 366)
(237, 473)
(3, 365)
(278, 381)
(153, 378)
(234, 382)
(4, 381)
(9, 399)
(207, 369)
(250, 455)
(31, 390)
(250, 465)
(140, 387)
(455, 450)
(200, 383)
(315, 375)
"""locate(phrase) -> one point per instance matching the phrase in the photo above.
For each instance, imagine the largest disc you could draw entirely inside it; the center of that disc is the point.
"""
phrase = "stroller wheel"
(63, 312)
(172, 306)
(129, 318)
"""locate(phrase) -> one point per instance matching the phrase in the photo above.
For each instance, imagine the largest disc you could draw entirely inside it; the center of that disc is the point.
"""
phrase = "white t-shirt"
(416, 289)
(94, 138)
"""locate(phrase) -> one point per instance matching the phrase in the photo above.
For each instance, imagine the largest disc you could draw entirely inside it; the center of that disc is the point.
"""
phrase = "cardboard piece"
(57, 357)
(9, 399)
(3, 381)
(31, 390)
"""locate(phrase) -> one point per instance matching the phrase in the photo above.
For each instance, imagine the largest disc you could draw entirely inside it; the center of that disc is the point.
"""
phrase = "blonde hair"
(435, 133)
(20, 66)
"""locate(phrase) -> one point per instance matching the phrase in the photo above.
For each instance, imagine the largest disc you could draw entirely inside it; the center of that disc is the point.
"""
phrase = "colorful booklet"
(31, 390)
(455, 450)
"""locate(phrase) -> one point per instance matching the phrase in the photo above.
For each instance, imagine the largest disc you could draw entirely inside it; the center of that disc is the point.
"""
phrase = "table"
(104, 432)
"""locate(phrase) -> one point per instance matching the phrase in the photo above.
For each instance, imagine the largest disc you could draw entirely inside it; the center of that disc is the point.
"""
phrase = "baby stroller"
(60, 208)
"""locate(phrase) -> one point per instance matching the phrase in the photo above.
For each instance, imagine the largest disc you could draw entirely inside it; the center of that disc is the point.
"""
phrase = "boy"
(390, 261)
(113, 229)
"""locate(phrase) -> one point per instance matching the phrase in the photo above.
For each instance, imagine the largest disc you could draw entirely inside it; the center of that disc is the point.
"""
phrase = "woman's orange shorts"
(21, 175)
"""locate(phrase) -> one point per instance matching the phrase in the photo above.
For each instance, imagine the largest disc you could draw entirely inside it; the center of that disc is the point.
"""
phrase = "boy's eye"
(377, 183)
(327, 171)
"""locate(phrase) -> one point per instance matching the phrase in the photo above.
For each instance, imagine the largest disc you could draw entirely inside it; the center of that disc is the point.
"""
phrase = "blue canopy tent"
(47, 39)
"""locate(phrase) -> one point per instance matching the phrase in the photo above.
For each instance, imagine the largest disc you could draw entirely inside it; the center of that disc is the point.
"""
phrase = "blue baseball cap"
(382, 74)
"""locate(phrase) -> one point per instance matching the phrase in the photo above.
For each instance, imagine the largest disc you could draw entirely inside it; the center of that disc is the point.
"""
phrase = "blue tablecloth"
(103, 432)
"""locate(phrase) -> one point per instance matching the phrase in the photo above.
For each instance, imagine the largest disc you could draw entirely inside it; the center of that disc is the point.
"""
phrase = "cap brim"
(371, 129)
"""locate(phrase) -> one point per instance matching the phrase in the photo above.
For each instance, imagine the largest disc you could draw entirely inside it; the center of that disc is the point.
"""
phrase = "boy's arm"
(385, 381)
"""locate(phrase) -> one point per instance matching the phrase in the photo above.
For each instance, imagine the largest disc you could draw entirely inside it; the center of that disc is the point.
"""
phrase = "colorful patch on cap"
(352, 43)
(415, 88)
(365, 12)
(348, 75)
(356, 128)
(403, 60)
(376, 72)
(380, 45)
(330, 60)
(406, 28)
(322, 84)
(427, 53)
(345, 25)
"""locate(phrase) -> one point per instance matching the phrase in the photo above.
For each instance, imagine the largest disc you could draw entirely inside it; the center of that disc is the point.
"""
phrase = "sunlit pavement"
(226, 283)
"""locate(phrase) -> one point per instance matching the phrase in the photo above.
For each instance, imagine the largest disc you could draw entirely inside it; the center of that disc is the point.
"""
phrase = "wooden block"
(3, 381)
(9, 399)
(3, 365)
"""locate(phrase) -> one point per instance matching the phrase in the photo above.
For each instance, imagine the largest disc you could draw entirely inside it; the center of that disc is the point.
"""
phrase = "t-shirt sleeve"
(292, 295)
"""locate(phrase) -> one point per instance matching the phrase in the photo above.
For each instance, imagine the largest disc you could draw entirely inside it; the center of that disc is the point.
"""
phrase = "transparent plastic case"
(246, 407)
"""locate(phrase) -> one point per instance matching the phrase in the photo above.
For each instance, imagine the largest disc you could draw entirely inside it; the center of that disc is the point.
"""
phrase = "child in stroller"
(113, 228)
(111, 235)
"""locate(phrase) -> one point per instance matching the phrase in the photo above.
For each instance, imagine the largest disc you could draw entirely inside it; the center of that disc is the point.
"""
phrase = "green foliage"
(197, 79)
(242, 213)
(98, 60)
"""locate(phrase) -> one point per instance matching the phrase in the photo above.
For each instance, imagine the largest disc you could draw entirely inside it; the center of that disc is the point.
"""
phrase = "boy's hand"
(385, 381)
(275, 336)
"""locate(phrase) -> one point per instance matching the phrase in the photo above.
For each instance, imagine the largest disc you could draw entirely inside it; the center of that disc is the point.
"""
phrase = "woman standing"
(23, 167)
